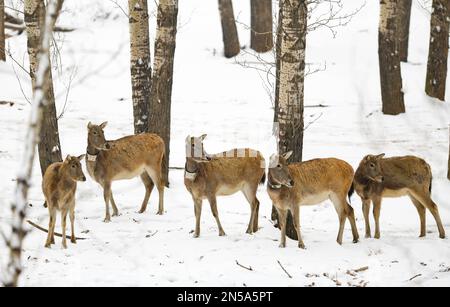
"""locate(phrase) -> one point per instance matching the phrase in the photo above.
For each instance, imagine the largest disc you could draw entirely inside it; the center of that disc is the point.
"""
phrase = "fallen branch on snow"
(287, 273)
(244, 267)
(46, 231)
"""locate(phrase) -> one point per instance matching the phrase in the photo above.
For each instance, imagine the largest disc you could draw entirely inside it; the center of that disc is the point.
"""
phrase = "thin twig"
(414, 277)
(46, 230)
(244, 267)
(287, 273)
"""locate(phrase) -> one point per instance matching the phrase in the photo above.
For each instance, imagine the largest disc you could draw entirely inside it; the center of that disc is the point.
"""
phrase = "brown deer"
(291, 186)
(59, 186)
(209, 176)
(378, 177)
(131, 156)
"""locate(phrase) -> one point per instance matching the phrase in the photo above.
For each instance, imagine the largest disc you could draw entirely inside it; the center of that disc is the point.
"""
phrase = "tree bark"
(404, 16)
(49, 146)
(261, 38)
(161, 93)
(448, 168)
(19, 206)
(390, 70)
(291, 76)
(438, 52)
(2, 31)
(229, 30)
(141, 71)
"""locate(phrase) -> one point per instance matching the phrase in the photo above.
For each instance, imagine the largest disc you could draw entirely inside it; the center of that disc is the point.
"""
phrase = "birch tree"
(19, 206)
(2, 31)
(49, 145)
(404, 18)
(389, 59)
(291, 76)
(162, 80)
(261, 38)
(141, 70)
(438, 51)
(229, 30)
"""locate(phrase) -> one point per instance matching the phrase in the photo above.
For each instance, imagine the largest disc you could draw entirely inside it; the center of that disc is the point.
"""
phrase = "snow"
(217, 96)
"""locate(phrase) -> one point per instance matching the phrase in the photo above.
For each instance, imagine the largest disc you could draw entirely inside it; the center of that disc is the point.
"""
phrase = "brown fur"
(378, 177)
(137, 155)
(59, 186)
(309, 183)
(224, 174)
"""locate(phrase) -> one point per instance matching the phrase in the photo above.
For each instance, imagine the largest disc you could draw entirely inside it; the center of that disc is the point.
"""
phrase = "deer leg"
(107, 197)
(250, 195)
(426, 200)
(366, 211)
(198, 213)
(296, 218)
(158, 179)
(351, 218)
(340, 209)
(376, 215)
(255, 220)
(114, 206)
(64, 226)
(282, 220)
(213, 202)
(72, 223)
(148, 190)
(422, 215)
(52, 215)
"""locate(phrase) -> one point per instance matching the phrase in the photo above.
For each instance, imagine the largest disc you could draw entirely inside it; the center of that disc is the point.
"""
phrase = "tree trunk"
(438, 52)
(390, 70)
(161, 93)
(289, 112)
(2, 31)
(261, 39)
(19, 206)
(141, 71)
(448, 168)
(229, 30)
(404, 18)
(49, 146)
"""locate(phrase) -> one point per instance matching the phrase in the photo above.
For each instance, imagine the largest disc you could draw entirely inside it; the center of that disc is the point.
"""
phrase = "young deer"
(59, 186)
(209, 176)
(310, 183)
(136, 155)
(378, 177)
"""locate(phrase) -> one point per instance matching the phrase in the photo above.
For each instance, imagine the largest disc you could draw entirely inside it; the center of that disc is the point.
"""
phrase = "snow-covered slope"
(229, 102)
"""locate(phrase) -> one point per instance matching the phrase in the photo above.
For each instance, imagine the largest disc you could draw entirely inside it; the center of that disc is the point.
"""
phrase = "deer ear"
(203, 137)
(287, 155)
(67, 158)
(380, 156)
(81, 157)
(103, 125)
(90, 125)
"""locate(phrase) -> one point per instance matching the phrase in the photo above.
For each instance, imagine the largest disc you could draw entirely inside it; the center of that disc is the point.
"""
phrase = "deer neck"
(91, 153)
(272, 185)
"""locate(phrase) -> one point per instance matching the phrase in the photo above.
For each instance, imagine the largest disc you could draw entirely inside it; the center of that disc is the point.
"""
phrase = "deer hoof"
(282, 245)
(115, 214)
(160, 213)
(64, 245)
(442, 236)
(302, 246)
(222, 234)
(73, 241)
(107, 220)
(48, 245)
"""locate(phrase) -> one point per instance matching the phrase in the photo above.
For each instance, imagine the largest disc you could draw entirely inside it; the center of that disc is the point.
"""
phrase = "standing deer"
(131, 156)
(378, 177)
(310, 183)
(208, 176)
(59, 186)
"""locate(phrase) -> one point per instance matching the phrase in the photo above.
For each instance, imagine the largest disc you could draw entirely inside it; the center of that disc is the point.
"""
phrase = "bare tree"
(229, 30)
(389, 59)
(49, 145)
(19, 206)
(291, 73)
(404, 18)
(2, 31)
(161, 93)
(261, 38)
(141, 70)
(438, 51)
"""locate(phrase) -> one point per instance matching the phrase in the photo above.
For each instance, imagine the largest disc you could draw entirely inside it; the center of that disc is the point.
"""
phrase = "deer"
(59, 186)
(378, 177)
(126, 158)
(223, 174)
(291, 186)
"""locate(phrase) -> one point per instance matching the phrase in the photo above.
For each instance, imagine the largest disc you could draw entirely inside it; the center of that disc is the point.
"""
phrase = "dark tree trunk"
(161, 94)
(261, 39)
(290, 79)
(404, 18)
(2, 31)
(438, 52)
(229, 30)
(390, 70)
(448, 168)
(49, 147)
(141, 70)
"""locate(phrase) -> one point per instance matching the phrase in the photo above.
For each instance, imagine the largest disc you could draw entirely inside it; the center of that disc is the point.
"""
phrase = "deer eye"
(372, 165)
(279, 165)
(73, 166)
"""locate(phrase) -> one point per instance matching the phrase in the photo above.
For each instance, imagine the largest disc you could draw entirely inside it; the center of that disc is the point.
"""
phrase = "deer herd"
(207, 176)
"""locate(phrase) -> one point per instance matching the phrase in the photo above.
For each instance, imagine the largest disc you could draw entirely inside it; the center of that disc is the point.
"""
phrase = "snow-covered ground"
(219, 97)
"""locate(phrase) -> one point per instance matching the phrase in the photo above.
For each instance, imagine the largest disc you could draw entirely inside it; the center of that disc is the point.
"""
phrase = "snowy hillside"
(229, 102)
